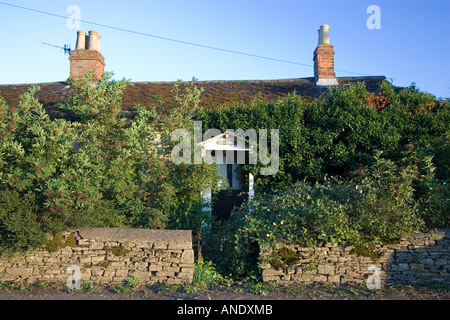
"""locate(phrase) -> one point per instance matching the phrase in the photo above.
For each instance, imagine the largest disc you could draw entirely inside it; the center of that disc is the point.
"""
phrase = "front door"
(229, 198)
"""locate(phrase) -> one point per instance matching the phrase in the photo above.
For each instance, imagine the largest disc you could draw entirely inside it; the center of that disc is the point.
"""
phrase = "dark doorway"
(225, 201)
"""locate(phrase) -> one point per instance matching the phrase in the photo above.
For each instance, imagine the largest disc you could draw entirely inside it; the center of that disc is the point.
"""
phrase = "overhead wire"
(171, 39)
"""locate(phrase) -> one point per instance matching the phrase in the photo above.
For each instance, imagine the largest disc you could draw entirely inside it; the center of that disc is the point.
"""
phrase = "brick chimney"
(324, 60)
(86, 56)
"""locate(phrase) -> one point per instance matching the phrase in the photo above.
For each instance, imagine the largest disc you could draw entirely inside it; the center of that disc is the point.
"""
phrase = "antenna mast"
(66, 47)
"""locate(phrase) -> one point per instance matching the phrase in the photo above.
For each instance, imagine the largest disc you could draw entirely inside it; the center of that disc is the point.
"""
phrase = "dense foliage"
(337, 133)
(355, 167)
(102, 170)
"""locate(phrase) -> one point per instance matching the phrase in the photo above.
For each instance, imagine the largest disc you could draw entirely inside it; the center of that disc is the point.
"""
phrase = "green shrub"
(302, 214)
(103, 170)
(375, 205)
(20, 225)
(383, 205)
(432, 194)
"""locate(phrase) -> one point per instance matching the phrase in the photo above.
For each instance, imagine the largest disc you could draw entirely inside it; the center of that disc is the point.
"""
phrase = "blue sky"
(412, 45)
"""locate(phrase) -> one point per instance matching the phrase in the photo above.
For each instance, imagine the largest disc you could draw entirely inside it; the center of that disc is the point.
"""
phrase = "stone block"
(97, 271)
(97, 259)
(186, 274)
(96, 245)
(109, 273)
(50, 260)
(416, 266)
(20, 272)
(165, 274)
(112, 258)
(117, 279)
(121, 273)
(170, 260)
(140, 266)
(85, 260)
(429, 262)
(170, 269)
(334, 279)
(34, 259)
(161, 254)
(179, 245)
(141, 275)
(84, 242)
(187, 256)
(271, 273)
(187, 269)
(403, 267)
(327, 269)
(160, 246)
(440, 262)
(155, 267)
(115, 264)
(174, 281)
(313, 278)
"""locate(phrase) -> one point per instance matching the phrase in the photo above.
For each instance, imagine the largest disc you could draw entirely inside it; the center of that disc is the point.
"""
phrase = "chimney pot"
(93, 41)
(324, 37)
(81, 40)
(98, 43)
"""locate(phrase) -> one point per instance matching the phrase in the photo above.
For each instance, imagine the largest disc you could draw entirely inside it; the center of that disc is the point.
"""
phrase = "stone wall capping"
(135, 235)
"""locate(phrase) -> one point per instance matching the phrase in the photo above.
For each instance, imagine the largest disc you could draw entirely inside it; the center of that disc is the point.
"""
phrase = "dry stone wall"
(107, 256)
(417, 258)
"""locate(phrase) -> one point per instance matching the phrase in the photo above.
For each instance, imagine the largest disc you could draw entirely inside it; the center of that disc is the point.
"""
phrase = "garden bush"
(20, 225)
(376, 205)
(101, 170)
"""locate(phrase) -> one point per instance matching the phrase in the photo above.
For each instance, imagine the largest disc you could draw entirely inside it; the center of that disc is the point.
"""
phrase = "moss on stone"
(386, 241)
(103, 264)
(59, 241)
(56, 243)
(283, 259)
(71, 241)
(120, 251)
(367, 250)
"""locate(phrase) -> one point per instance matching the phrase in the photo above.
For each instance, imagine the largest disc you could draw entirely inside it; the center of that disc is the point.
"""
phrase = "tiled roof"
(215, 92)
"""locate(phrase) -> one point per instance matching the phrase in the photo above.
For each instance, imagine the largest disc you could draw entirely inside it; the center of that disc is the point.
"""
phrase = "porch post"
(206, 206)
(251, 192)
(206, 201)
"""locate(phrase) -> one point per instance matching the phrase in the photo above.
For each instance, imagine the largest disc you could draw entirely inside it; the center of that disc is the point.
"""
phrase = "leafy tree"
(102, 170)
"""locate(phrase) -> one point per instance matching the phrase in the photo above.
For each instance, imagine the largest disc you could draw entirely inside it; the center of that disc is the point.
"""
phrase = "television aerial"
(66, 47)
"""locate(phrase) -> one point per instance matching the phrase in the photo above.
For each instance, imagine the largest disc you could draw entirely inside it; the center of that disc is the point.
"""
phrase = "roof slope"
(215, 92)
